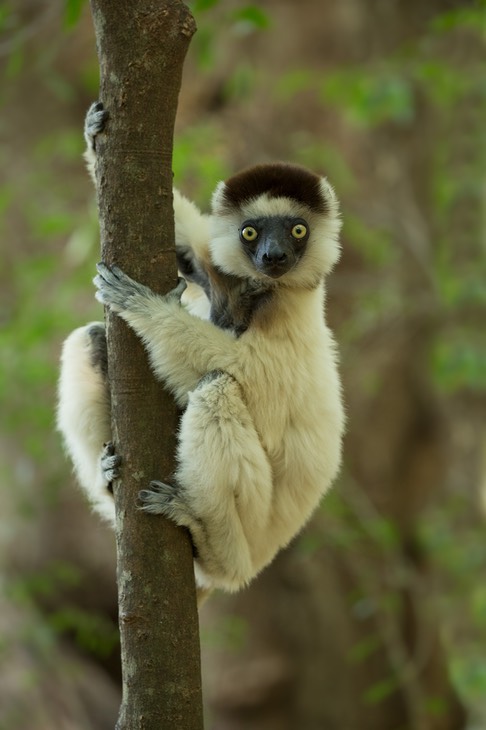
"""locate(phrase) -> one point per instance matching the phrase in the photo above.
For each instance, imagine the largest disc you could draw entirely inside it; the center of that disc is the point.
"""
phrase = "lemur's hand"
(122, 294)
(94, 123)
(117, 290)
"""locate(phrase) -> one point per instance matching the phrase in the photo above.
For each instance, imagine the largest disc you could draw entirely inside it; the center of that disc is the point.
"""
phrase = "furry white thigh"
(83, 414)
(225, 479)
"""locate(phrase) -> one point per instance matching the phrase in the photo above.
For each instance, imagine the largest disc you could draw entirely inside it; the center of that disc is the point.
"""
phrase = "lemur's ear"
(218, 197)
(327, 192)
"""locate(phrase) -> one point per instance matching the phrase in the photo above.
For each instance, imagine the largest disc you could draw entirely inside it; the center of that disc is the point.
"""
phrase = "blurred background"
(375, 617)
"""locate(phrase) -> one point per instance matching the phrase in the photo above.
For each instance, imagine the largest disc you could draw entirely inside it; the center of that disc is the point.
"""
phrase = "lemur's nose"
(274, 255)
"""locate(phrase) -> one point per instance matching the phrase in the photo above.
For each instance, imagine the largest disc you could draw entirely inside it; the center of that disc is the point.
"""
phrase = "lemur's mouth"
(276, 269)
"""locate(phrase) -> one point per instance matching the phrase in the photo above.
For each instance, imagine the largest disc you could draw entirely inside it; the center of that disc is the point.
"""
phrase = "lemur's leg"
(83, 415)
(110, 463)
(223, 483)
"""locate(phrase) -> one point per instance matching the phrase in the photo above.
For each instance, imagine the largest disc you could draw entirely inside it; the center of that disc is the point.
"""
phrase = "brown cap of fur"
(277, 180)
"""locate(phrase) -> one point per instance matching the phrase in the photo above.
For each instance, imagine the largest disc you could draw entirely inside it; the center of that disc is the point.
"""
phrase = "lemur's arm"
(181, 347)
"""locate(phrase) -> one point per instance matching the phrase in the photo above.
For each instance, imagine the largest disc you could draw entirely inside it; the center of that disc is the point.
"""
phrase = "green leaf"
(15, 62)
(443, 84)
(469, 675)
(309, 543)
(291, 83)
(5, 16)
(93, 632)
(436, 706)
(199, 6)
(458, 365)
(230, 635)
(252, 16)
(473, 17)
(72, 12)
(241, 83)
(373, 243)
(364, 648)
(372, 96)
(380, 691)
(203, 47)
(384, 532)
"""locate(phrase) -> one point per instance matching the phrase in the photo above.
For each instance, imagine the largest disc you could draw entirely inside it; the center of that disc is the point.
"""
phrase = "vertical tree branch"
(141, 48)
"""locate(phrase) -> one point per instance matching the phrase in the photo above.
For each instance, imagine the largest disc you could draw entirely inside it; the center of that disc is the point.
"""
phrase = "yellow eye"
(299, 230)
(249, 233)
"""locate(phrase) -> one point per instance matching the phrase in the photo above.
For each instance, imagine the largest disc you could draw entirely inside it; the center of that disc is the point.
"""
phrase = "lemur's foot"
(110, 463)
(167, 500)
(158, 500)
(94, 123)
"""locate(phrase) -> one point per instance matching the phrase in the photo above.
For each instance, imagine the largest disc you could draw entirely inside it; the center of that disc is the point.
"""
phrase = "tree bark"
(141, 48)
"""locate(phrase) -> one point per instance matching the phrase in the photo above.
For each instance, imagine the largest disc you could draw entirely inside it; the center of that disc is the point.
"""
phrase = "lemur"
(248, 357)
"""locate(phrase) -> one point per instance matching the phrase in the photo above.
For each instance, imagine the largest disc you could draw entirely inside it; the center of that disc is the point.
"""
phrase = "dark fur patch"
(235, 301)
(98, 350)
(212, 375)
(191, 269)
(278, 180)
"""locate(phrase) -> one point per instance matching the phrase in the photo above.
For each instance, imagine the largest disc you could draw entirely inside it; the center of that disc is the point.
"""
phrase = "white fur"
(260, 440)
(83, 417)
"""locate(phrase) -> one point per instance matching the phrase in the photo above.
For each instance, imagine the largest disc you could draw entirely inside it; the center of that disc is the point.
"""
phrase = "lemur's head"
(275, 222)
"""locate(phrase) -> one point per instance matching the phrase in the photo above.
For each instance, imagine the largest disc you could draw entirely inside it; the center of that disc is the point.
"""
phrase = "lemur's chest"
(282, 395)
(235, 301)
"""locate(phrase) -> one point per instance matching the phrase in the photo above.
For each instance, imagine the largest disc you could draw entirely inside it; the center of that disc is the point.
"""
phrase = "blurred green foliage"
(93, 632)
(46, 291)
(72, 11)
(236, 21)
(457, 543)
(196, 162)
(230, 634)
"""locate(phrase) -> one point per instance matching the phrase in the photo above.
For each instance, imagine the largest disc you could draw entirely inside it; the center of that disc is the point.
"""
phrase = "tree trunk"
(141, 48)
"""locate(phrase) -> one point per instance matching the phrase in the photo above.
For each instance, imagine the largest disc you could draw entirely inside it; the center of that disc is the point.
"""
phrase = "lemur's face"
(275, 222)
(274, 244)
